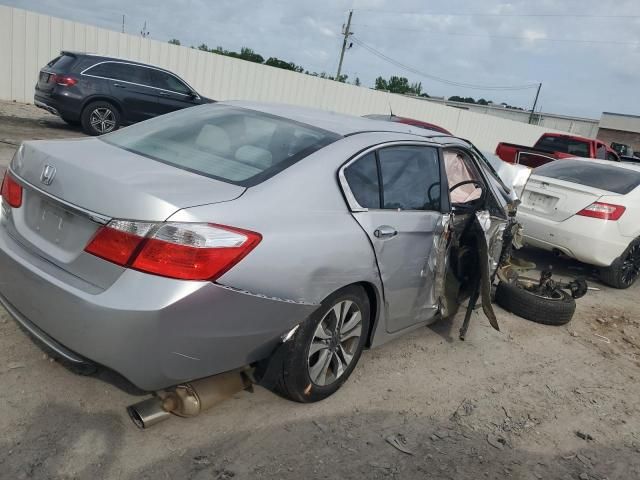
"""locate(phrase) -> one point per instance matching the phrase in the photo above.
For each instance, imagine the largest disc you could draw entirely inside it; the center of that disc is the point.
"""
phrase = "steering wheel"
(431, 199)
(471, 182)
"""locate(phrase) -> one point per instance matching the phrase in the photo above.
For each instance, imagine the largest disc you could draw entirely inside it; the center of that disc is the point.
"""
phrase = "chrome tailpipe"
(189, 399)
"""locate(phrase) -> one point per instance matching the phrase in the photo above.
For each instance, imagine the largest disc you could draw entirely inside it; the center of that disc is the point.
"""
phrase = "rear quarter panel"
(312, 245)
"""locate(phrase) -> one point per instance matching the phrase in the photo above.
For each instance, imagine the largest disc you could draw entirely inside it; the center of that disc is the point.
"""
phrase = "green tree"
(381, 84)
(356, 82)
(276, 62)
(174, 41)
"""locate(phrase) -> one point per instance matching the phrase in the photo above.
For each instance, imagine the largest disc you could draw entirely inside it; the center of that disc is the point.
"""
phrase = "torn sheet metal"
(438, 261)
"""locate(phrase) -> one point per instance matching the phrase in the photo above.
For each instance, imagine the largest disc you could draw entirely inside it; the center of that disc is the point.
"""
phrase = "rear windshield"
(604, 177)
(565, 145)
(236, 145)
(63, 62)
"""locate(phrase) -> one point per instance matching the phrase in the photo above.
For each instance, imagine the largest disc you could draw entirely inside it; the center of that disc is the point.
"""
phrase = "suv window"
(610, 178)
(410, 178)
(63, 62)
(363, 180)
(121, 71)
(166, 81)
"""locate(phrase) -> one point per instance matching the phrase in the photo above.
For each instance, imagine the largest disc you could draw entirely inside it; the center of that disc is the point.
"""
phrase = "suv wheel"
(326, 347)
(99, 118)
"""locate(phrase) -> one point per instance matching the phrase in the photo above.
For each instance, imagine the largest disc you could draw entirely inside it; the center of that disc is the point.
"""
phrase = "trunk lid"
(71, 187)
(555, 199)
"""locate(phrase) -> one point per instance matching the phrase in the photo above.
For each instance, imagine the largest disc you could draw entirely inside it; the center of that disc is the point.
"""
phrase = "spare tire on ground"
(555, 309)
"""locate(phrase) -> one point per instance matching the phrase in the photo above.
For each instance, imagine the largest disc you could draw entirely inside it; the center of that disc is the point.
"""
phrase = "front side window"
(235, 145)
(169, 82)
(460, 168)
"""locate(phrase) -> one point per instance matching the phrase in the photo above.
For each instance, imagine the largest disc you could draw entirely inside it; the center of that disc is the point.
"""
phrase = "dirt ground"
(528, 402)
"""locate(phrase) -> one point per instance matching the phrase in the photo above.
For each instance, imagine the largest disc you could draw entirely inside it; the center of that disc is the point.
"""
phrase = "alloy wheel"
(334, 343)
(103, 120)
(630, 270)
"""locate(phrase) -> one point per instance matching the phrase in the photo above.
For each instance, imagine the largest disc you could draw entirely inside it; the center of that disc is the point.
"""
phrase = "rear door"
(173, 93)
(130, 85)
(397, 196)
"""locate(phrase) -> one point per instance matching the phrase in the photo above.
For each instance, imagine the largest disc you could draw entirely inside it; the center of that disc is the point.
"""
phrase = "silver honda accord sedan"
(244, 234)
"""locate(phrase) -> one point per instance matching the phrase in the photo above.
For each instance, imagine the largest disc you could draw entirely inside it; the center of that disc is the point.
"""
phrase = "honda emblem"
(48, 172)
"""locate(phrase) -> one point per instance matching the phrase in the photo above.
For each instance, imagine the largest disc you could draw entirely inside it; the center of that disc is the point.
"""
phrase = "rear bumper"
(67, 106)
(156, 332)
(588, 240)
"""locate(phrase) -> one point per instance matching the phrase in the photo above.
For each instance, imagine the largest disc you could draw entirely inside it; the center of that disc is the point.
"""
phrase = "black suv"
(102, 93)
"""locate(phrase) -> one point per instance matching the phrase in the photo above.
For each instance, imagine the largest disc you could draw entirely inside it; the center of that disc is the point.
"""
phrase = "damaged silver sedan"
(269, 241)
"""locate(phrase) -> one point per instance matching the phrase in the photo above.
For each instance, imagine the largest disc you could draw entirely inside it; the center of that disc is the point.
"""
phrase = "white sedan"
(588, 210)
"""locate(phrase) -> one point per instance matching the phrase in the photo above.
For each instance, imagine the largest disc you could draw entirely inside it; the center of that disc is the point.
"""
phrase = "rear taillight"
(187, 251)
(603, 211)
(63, 80)
(11, 191)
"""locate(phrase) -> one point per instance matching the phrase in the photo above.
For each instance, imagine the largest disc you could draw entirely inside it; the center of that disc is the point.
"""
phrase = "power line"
(439, 79)
(508, 37)
(479, 14)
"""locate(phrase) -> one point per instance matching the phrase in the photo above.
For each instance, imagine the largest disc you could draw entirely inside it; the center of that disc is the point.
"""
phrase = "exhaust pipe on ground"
(189, 399)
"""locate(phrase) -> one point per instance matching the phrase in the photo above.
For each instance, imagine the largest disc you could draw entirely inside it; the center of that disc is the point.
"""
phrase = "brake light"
(63, 80)
(187, 251)
(11, 191)
(603, 211)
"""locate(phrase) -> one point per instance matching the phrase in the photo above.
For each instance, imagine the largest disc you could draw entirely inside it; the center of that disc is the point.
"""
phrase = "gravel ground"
(529, 402)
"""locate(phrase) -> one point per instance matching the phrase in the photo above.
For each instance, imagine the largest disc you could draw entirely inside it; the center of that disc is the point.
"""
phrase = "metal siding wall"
(29, 40)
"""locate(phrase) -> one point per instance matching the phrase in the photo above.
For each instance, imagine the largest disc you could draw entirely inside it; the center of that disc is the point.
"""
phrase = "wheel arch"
(102, 98)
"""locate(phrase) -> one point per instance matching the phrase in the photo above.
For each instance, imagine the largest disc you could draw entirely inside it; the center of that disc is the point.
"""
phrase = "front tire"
(326, 347)
(555, 310)
(625, 270)
(99, 118)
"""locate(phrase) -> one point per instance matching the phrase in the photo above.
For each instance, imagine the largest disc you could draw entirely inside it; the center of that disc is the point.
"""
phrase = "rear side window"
(410, 178)
(397, 178)
(578, 148)
(363, 180)
(166, 81)
(63, 62)
(605, 177)
(121, 71)
(232, 144)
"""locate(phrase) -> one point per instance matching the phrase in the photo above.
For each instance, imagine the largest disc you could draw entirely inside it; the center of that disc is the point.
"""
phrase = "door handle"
(385, 231)
(118, 85)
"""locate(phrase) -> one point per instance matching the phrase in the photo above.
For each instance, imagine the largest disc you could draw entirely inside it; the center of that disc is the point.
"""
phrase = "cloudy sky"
(585, 52)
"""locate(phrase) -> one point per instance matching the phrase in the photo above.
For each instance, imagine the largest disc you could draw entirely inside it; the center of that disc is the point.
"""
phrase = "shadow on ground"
(61, 442)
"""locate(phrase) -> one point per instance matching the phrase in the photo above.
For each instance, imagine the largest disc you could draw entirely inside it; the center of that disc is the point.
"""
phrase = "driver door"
(398, 190)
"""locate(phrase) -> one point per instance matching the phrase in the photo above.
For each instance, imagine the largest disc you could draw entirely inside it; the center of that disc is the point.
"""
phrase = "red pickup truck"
(554, 146)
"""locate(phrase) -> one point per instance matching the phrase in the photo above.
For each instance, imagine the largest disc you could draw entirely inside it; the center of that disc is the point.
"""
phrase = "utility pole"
(144, 32)
(122, 23)
(346, 32)
(535, 102)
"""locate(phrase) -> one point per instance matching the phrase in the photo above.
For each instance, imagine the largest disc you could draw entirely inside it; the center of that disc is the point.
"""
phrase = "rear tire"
(625, 270)
(525, 304)
(319, 342)
(99, 118)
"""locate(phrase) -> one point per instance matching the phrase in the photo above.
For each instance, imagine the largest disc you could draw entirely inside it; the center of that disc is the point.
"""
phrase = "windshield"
(236, 145)
(609, 178)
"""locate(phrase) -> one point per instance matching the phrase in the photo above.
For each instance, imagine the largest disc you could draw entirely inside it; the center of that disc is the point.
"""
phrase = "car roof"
(339, 123)
(103, 58)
